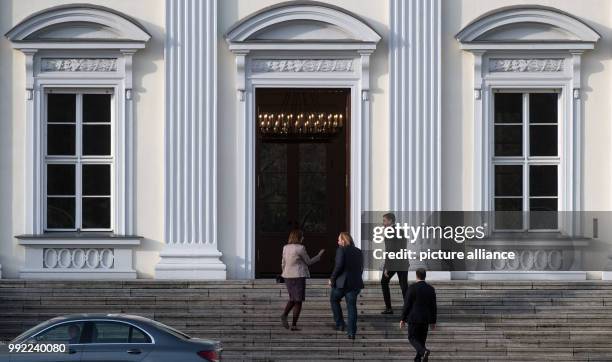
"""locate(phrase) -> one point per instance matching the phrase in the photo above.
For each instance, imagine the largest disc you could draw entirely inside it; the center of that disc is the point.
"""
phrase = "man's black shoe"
(387, 311)
(340, 328)
(425, 356)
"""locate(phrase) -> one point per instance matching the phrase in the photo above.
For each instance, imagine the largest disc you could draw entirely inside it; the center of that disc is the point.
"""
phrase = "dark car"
(111, 338)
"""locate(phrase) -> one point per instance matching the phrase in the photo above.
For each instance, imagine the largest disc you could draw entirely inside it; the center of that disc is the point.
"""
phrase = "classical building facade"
(181, 139)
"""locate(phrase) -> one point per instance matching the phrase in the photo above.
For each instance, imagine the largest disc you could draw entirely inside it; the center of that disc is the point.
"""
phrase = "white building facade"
(131, 143)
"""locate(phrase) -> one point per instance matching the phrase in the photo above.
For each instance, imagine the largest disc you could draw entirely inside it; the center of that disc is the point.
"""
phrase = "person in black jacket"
(346, 281)
(393, 266)
(420, 311)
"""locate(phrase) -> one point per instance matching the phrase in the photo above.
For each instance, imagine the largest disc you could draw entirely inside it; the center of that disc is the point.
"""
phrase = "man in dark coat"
(346, 281)
(420, 311)
(393, 266)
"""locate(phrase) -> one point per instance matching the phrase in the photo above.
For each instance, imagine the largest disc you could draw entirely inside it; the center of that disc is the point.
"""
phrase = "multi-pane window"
(526, 160)
(78, 160)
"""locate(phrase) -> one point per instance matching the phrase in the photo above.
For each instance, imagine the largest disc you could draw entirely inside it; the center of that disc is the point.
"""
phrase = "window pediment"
(526, 26)
(80, 25)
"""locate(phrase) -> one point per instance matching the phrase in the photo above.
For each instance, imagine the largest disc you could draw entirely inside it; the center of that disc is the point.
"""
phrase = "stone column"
(415, 112)
(190, 210)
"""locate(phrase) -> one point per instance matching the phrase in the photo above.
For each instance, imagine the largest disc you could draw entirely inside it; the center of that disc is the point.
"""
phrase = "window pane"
(509, 213)
(96, 140)
(543, 213)
(60, 212)
(313, 157)
(139, 336)
(96, 212)
(64, 333)
(508, 108)
(543, 108)
(96, 180)
(272, 157)
(508, 180)
(543, 180)
(110, 332)
(276, 218)
(60, 139)
(61, 108)
(60, 180)
(508, 140)
(543, 140)
(96, 108)
(313, 217)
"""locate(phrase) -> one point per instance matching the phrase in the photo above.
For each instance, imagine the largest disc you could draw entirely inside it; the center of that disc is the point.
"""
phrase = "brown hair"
(347, 238)
(295, 236)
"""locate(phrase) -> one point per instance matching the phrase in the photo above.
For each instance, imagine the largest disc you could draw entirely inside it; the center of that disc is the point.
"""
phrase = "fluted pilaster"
(415, 71)
(190, 143)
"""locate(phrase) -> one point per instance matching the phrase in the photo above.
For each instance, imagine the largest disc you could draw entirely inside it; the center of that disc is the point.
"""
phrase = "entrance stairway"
(478, 320)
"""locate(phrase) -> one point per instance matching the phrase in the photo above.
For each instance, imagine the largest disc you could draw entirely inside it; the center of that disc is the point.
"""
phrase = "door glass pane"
(60, 180)
(96, 212)
(313, 157)
(96, 180)
(60, 212)
(64, 333)
(312, 217)
(272, 157)
(543, 180)
(508, 140)
(543, 213)
(96, 140)
(543, 140)
(508, 180)
(61, 139)
(110, 332)
(508, 108)
(543, 107)
(274, 217)
(61, 108)
(96, 108)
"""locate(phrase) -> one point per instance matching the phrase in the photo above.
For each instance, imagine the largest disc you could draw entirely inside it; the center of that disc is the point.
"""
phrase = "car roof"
(109, 316)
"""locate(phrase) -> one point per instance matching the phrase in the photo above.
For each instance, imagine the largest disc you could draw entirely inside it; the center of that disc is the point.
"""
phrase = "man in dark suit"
(420, 311)
(393, 266)
(346, 281)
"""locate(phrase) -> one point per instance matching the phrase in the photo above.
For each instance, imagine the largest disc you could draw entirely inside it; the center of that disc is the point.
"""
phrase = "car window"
(116, 332)
(64, 333)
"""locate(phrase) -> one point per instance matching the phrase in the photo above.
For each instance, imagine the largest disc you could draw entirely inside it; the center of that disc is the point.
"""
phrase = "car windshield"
(170, 330)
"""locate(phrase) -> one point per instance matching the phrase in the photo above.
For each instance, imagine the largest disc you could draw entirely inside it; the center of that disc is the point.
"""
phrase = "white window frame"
(525, 160)
(78, 160)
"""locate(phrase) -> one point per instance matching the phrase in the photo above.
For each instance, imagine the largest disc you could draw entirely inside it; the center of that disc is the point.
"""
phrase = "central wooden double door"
(301, 183)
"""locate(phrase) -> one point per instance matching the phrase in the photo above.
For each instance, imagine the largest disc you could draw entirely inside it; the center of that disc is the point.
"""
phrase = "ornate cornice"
(78, 65)
(301, 65)
(526, 65)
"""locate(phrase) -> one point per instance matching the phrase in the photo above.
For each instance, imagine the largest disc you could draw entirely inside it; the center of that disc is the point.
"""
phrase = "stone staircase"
(478, 321)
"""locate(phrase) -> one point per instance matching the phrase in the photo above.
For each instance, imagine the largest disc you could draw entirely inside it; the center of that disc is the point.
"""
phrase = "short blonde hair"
(347, 238)
(295, 237)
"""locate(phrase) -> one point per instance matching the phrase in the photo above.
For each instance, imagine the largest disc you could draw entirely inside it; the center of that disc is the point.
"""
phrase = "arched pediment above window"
(82, 26)
(521, 26)
(302, 22)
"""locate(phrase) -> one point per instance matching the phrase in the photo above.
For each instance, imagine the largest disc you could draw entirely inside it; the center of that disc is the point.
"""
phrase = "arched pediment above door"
(302, 23)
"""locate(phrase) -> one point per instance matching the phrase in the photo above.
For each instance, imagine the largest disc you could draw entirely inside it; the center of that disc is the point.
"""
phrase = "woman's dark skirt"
(296, 288)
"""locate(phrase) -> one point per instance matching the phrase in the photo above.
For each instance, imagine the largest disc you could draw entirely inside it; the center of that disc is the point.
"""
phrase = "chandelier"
(300, 124)
(308, 114)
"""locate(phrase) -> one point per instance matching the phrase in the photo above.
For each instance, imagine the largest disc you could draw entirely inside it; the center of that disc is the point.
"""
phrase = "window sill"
(79, 238)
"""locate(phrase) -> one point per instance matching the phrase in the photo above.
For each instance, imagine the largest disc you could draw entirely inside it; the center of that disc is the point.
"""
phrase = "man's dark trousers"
(384, 282)
(417, 335)
(351, 305)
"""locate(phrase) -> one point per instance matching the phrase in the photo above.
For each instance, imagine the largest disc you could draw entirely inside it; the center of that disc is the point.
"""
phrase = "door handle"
(133, 351)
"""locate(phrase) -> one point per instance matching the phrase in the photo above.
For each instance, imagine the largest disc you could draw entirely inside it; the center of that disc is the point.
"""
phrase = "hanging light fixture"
(297, 118)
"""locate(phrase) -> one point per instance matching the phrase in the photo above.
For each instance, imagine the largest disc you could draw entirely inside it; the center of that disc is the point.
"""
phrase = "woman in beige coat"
(295, 271)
